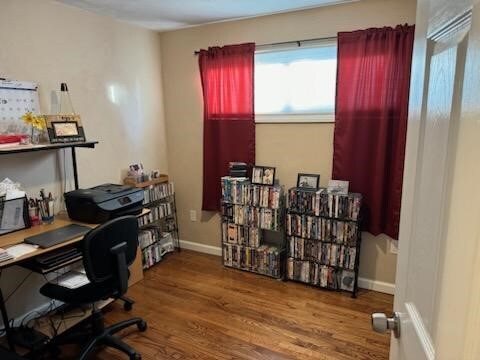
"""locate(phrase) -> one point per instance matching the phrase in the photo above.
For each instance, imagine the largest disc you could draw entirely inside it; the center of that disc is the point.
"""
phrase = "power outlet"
(394, 246)
(193, 215)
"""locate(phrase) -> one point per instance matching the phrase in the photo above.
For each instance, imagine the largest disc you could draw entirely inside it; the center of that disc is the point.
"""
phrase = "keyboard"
(57, 236)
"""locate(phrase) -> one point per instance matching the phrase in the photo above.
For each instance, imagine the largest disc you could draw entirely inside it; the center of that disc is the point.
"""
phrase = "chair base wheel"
(136, 357)
(127, 306)
(142, 326)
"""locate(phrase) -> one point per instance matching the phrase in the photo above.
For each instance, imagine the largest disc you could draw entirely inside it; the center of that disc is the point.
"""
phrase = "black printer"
(104, 202)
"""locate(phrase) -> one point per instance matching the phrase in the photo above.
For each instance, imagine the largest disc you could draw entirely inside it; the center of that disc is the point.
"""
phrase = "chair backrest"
(109, 249)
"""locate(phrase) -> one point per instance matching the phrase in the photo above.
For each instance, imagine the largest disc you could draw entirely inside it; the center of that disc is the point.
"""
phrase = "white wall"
(50, 43)
(291, 148)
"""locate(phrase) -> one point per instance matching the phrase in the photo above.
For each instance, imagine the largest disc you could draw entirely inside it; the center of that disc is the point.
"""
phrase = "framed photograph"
(309, 181)
(64, 128)
(268, 175)
(338, 187)
(257, 175)
(263, 175)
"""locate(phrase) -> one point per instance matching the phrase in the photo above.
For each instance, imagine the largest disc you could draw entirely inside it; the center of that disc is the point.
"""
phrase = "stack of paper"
(72, 280)
(4, 255)
(18, 250)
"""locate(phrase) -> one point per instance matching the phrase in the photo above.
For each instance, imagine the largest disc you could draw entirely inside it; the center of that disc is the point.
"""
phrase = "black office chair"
(108, 250)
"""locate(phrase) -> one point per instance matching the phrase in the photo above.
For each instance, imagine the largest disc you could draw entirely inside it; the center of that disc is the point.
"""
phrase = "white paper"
(14, 194)
(21, 249)
(72, 280)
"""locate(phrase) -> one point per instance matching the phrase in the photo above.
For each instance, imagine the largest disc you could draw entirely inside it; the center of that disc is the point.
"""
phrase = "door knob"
(381, 323)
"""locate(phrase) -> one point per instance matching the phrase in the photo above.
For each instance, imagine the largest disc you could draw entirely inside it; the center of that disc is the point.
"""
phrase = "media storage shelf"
(323, 239)
(252, 225)
(158, 234)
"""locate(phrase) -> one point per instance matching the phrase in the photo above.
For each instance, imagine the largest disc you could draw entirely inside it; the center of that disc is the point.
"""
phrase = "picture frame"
(263, 175)
(257, 175)
(308, 181)
(64, 128)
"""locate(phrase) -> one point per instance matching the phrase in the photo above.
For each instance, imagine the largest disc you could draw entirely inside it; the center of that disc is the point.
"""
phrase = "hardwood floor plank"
(197, 309)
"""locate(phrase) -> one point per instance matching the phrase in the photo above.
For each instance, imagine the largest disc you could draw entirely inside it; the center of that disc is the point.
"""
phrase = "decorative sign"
(64, 128)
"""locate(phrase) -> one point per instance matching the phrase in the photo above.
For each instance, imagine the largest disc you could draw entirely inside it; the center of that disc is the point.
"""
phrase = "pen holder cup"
(48, 214)
(48, 219)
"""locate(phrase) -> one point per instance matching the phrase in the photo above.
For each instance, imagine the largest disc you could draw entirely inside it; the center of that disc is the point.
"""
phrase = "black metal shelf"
(253, 271)
(295, 212)
(357, 246)
(319, 240)
(44, 147)
(313, 260)
(280, 227)
(280, 207)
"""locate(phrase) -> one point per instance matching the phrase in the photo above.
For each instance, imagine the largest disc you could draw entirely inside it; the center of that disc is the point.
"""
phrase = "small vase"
(35, 136)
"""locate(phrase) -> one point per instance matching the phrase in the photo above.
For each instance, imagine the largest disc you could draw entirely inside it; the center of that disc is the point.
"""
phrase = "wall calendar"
(16, 98)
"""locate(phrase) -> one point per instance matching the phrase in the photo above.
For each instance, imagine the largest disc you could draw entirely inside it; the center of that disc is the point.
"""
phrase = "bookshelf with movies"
(323, 238)
(253, 226)
(158, 233)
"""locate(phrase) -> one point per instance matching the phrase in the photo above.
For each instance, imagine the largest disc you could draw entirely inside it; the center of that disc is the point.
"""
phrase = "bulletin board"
(16, 98)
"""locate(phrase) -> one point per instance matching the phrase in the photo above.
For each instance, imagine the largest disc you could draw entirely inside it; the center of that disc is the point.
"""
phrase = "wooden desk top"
(17, 237)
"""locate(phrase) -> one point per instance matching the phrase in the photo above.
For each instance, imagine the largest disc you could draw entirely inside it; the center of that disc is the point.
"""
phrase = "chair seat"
(85, 294)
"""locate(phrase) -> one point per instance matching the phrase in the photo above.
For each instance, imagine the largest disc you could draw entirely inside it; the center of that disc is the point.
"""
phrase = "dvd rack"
(158, 233)
(253, 227)
(323, 238)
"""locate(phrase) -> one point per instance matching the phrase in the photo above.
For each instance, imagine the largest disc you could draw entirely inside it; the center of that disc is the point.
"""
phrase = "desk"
(7, 240)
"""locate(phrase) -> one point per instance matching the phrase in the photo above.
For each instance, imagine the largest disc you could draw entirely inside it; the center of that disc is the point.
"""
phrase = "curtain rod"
(298, 42)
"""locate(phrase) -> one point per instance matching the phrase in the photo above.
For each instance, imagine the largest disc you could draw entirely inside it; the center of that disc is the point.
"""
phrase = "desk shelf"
(15, 149)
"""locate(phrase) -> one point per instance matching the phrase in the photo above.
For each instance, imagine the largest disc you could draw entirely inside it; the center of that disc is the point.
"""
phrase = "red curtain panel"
(229, 127)
(373, 79)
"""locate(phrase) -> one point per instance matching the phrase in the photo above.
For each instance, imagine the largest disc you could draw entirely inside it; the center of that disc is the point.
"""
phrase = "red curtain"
(373, 79)
(229, 127)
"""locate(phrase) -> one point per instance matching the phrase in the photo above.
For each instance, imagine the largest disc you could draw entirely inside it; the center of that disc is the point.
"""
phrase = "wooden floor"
(197, 309)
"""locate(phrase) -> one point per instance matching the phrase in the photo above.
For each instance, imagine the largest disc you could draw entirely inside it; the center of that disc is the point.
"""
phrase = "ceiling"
(165, 15)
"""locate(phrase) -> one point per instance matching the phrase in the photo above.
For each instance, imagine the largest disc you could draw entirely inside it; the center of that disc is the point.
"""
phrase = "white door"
(438, 282)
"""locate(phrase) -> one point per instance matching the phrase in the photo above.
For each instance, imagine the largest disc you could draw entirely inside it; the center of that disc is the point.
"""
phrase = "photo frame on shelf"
(263, 175)
(64, 128)
(339, 187)
(257, 175)
(308, 181)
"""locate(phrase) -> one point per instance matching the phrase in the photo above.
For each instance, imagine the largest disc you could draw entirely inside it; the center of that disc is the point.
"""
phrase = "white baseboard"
(207, 249)
(375, 285)
(363, 283)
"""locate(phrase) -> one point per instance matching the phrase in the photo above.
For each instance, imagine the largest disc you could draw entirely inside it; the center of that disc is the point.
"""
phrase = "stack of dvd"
(157, 192)
(154, 246)
(263, 259)
(247, 210)
(323, 237)
(263, 218)
(322, 203)
(158, 228)
(238, 169)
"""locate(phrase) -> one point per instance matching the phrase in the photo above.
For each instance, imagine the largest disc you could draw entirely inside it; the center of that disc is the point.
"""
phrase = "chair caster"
(136, 356)
(127, 306)
(142, 326)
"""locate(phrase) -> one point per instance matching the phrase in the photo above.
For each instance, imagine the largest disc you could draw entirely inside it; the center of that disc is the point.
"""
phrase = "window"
(296, 84)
